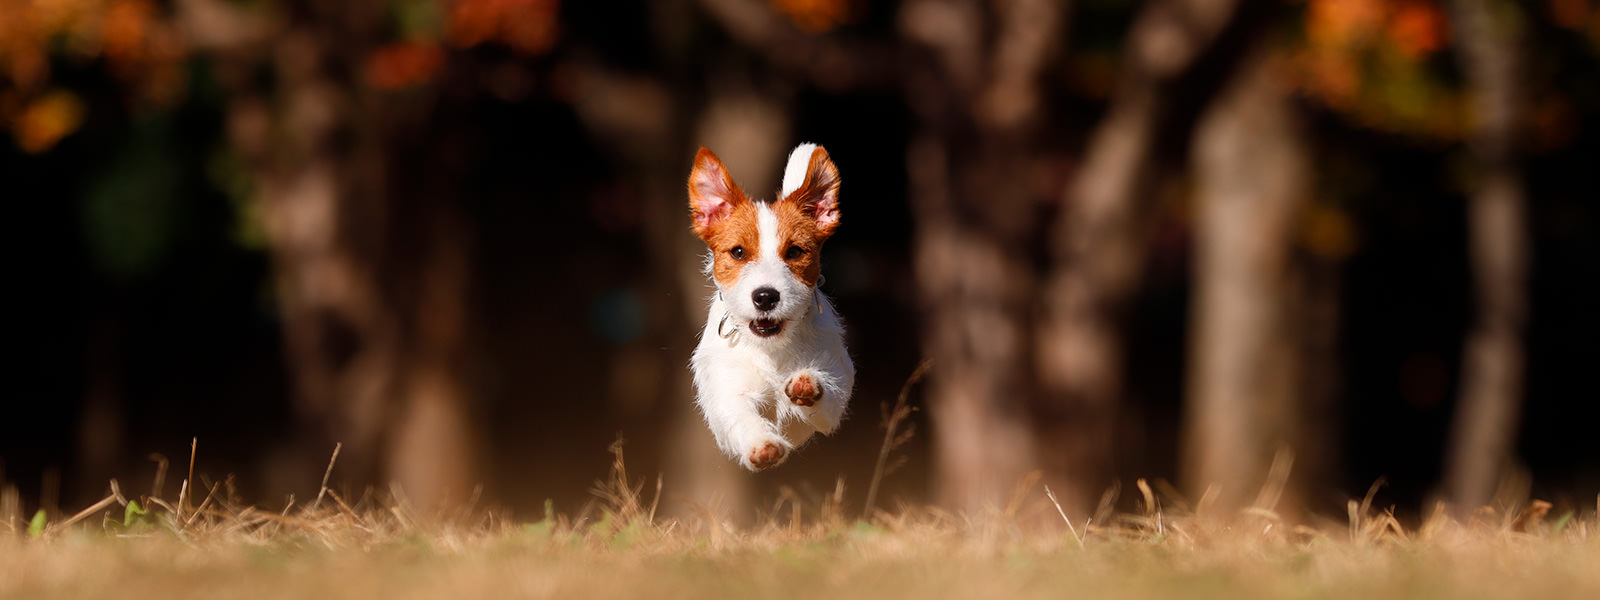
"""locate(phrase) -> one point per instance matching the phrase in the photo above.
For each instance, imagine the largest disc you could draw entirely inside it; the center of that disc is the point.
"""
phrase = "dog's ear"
(712, 193)
(817, 191)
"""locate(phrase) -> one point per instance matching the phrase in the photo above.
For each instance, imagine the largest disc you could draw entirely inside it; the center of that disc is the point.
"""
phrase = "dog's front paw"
(803, 389)
(766, 455)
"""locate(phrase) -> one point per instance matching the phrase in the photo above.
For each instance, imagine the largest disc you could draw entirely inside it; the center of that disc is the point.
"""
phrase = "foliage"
(138, 44)
(1388, 65)
(816, 16)
(142, 45)
(1379, 63)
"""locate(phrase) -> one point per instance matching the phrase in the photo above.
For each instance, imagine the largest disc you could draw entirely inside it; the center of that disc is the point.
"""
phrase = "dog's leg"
(757, 442)
(733, 412)
(744, 434)
(820, 395)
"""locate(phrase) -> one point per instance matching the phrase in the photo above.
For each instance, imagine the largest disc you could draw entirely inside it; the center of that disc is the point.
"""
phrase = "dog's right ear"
(712, 193)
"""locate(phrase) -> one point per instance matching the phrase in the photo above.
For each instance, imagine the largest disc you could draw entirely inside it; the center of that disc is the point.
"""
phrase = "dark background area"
(145, 312)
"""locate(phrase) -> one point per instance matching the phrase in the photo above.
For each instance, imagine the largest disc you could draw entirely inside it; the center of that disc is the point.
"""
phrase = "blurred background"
(1170, 239)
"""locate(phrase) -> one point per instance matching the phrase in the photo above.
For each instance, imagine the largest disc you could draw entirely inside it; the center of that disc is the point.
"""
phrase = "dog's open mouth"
(766, 327)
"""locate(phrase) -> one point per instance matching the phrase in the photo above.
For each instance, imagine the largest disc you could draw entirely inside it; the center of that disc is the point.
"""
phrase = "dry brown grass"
(209, 545)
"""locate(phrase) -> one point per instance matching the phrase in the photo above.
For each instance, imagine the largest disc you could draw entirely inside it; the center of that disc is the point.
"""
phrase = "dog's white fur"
(740, 379)
(794, 173)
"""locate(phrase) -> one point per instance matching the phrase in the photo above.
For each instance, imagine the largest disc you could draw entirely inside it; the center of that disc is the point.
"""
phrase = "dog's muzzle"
(762, 327)
(766, 327)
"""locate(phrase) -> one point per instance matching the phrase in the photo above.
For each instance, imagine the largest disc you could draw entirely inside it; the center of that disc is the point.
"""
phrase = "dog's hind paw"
(803, 390)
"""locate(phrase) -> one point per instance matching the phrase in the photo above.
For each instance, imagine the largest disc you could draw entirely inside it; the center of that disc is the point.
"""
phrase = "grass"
(207, 544)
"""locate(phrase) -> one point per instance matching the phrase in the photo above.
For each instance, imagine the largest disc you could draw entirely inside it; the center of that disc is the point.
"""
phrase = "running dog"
(771, 368)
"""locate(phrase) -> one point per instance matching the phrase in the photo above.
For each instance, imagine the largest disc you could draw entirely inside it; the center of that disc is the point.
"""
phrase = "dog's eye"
(794, 253)
(737, 253)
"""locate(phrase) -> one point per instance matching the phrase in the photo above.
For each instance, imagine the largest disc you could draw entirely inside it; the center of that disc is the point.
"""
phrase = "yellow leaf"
(48, 119)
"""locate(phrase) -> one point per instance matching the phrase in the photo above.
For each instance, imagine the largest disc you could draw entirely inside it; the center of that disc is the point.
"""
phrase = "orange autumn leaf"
(46, 120)
(1335, 22)
(139, 42)
(1418, 28)
(814, 16)
(404, 64)
(527, 26)
(1367, 59)
(1571, 14)
(472, 22)
(28, 67)
(127, 24)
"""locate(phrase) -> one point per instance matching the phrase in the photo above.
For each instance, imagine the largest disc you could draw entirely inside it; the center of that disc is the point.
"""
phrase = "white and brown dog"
(771, 368)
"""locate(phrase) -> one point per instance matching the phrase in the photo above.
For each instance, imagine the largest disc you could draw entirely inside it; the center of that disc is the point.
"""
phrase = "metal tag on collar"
(816, 292)
(731, 336)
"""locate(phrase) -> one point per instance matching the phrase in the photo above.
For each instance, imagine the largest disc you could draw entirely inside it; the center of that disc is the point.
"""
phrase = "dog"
(771, 368)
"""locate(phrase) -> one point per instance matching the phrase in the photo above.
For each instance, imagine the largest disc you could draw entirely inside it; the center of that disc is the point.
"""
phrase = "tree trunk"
(1250, 183)
(1178, 49)
(1488, 414)
(370, 258)
(430, 444)
(969, 173)
(975, 288)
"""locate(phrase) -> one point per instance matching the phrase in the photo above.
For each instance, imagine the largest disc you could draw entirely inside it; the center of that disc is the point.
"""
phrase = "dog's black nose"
(765, 298)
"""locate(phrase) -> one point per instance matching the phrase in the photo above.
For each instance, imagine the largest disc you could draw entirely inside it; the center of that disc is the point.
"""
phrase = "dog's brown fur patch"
(723, 217)
(797, 229)
(808, 216)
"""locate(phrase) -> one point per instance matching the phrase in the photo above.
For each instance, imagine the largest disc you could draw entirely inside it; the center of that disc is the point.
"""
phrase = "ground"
(857, 561)
(211, 548)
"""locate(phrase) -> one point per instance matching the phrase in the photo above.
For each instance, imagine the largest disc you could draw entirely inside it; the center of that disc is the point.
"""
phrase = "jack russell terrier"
(771, 368)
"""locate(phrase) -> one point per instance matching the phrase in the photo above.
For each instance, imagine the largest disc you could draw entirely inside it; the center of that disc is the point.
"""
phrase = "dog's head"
(766, 256)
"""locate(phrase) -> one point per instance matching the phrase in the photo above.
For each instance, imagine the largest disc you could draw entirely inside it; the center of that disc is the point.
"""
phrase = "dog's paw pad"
(766, 455)
(803, 390)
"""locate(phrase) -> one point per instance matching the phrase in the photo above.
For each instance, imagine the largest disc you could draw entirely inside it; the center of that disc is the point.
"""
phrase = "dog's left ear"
(818, 192)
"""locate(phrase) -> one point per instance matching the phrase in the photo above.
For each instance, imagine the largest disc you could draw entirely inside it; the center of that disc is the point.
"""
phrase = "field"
(207, 546)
